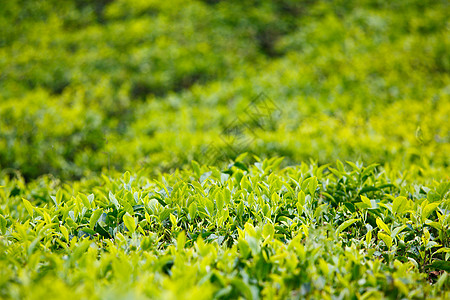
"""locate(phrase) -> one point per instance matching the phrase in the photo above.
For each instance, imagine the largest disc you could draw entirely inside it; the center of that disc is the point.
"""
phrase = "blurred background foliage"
(92, 85)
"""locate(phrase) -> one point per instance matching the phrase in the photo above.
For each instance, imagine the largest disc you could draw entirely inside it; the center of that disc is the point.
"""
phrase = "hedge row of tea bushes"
(251, 231)
(149, 84)
(89, 89)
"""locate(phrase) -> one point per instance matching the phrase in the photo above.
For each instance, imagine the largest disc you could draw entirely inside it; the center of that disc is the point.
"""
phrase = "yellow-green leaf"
(366, 201)
(428, 209)
(268, 230)
(84, 200)
(386, 239)
(344, 225)
(129, 222)
(193, 210)
(3, 223)
(196, 167)
(148, 218)
(59, 196)
(126, 177)
(28, 206)
(368, 237)
(383, 226)
(94, 218)
(64, 232)
(181, 241)
(443, 249)
(173, 220)
(47, 218)
(312, 186)
(399, 205)
(301, 198)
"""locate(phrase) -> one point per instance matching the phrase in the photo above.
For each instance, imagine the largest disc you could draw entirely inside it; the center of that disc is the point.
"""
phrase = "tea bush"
(126, 84)
(198, 100)
(252, 231)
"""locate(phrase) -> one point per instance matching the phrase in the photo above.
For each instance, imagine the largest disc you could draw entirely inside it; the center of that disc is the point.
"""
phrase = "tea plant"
(175, 91)
(252, 231)
(131, 84)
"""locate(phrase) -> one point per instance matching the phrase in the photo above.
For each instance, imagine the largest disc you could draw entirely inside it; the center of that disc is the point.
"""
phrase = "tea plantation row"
(150, 84)
(175, 91)
(252, 231)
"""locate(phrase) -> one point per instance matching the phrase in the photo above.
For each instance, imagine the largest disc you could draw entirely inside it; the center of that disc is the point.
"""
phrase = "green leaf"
(113, 200)
(102, 231)
(301, 198)
(181, 240)
(320, 210)
(398, 230)
(47, 217)
(164, 214)
(126, 177)
(240, 166)
(71, 223)
(268, 231)
(344, 225)
(340, 166)
(312, 186)
(244, 248)
(351, 207)
(253, 243)
(443, 188)
(128, 208)
(433, 196)
(59, 196)
(3, 223)
(435, 225)
(91, 198)
(366, 201)
(196, 168)
(54, 200)
(243, 288)
(399, 205)
(443, 249)
(94, 217)
(79, 250)
(439, 265)
(369, 169)
(383, 226)
(129, 222)
(65, 232)
(193, 210)
(368, 237)
(242, 156)
(173, 220)
(367, 189)
(84, 200)
(28, 206)
(386, 239)
(428, 209)
(441, 281)
(219, 201)
(209, 207)
(88, 230)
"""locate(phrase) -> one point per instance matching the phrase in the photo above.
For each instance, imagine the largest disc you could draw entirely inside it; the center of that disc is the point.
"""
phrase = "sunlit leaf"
(383, 226)
(129, 222)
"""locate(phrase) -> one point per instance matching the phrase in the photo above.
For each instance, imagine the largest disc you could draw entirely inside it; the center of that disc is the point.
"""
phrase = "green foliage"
(202, 100)
(148, 84)
(262, 233)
